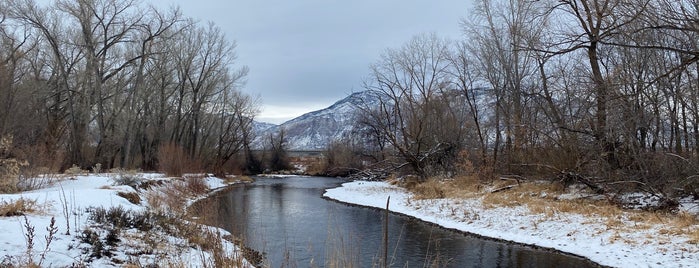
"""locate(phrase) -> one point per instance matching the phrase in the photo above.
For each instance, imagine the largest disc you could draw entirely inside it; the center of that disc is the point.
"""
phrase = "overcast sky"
(304, 55)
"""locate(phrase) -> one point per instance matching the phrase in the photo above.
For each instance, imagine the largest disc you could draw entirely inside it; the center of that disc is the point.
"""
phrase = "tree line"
(604, 92)
(121, 84)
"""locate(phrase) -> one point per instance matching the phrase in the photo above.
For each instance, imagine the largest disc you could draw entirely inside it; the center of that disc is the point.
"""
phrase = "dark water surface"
(289, 221)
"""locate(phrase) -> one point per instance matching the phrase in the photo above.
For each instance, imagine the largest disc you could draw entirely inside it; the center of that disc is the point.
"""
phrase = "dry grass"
(542, 198)
(694, 236)
(172, 195)
(467, 184)
(18, 207)
(237, 179)
(434, 188)
(174, 161)
(685, 220)
(195, 185)
(431, 189)
(166, 198)
(132, 197)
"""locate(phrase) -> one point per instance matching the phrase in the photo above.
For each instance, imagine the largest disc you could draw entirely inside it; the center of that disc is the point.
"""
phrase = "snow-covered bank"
(68, 201)
(569, 232)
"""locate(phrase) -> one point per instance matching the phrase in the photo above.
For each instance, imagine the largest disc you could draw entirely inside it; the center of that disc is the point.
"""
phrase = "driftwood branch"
(504, 188)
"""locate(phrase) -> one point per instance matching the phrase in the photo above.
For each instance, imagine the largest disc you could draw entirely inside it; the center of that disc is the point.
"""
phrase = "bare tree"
(466, 82)
(596, 23)
(409, 83)
(278, 159)
(110, 93)
(499, 33)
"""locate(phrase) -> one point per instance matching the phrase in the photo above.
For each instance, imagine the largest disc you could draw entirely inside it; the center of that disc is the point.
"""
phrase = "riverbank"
(113, 220)
(622, 240)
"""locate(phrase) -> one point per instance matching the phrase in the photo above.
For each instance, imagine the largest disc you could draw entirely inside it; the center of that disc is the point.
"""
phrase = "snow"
(689, 205)
(567, 232)
(76, 195)
(279, 176)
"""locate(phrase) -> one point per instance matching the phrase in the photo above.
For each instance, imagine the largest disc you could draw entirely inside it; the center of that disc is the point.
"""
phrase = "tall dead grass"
(435, 188)
(19, 207)
(174, 161)
(172, 196)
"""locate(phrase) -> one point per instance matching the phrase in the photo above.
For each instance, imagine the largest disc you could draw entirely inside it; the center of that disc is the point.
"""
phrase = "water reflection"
(289, 221)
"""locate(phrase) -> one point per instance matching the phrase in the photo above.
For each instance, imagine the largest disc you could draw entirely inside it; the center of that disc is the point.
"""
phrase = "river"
(293, 226)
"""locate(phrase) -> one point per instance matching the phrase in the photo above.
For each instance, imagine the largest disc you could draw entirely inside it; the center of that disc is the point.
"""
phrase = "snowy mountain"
(313, 131)
(260, 127)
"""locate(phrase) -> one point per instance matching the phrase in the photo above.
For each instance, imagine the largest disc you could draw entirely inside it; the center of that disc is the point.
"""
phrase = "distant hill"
(259, 127)
(313, 131)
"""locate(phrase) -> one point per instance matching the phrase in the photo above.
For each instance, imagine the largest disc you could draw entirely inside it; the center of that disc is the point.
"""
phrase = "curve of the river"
(293, 226)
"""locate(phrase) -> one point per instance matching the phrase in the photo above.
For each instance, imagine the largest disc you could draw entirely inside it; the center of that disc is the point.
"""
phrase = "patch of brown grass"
(524, 194)
(238, 179)
(18, 207)
(132, 197)
(464, 186)
(694, 236)
(685, 220)
(466, 183)
(431, 189)
(493, 200)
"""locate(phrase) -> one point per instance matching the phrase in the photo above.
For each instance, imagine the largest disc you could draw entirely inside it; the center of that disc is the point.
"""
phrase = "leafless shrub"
(97, 168)
(29, 235)
(36, 178)
(128, 178)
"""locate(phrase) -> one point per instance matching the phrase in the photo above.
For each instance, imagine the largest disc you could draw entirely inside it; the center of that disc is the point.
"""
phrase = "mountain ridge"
(315, 130)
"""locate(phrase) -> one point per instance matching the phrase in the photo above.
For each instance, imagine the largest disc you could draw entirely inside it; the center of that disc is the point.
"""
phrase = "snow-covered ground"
(568, 232)
(74, 196)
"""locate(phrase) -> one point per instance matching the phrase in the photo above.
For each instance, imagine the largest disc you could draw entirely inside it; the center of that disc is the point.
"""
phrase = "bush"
(341, 160)
(129, 178)
(36, 178)
(118, 217)
(97, 247)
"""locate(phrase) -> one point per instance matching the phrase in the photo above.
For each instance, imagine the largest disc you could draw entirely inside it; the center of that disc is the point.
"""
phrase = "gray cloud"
(303, 53)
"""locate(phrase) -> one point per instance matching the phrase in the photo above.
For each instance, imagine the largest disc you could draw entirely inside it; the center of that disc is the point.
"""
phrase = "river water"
(293, 226)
